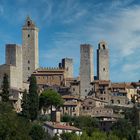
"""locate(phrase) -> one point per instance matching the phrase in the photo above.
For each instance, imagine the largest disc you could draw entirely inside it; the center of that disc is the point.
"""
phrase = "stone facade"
(50, 76)
(13, 66)
(67, 64)
(103, 61)
(29, 49)
(86, 69)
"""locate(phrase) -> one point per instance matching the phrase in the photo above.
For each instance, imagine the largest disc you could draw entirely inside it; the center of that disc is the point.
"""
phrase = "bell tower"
(29, 48)
(103, 61)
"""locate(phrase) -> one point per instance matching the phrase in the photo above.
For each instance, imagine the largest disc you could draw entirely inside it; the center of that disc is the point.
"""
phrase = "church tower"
(29, 48)
(103, 61)
(86, 69)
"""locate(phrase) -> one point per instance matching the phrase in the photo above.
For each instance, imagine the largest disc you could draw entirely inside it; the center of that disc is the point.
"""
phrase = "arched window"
(112, 101)
(28, 23)
(103, 46)
(118, 101)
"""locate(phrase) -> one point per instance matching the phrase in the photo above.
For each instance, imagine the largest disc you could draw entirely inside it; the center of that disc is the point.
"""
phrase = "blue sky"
(65, 24)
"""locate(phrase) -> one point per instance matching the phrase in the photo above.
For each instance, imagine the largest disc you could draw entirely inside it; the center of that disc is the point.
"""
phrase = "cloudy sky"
(65, 24)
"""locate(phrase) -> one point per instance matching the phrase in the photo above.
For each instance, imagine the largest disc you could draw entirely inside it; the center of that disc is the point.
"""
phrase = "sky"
(65, 24)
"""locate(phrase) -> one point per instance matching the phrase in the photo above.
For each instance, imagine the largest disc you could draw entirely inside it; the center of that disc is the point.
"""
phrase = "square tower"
(67, 64)
(103, 61)
(29, 48)
(86, 69)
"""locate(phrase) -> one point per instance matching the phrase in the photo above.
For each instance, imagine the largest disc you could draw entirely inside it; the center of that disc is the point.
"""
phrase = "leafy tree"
(37, 132)
(55, 137)
(50, 98)
(33, 99)
(25, 104)
(86, 123)
(12, 126)
(124, 129)
(69, 136)
(5, 89)
(98, 135)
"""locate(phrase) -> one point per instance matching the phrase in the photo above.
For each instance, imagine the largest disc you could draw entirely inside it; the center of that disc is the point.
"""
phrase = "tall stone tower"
(67, 64)
(14, 65)
(86, 69)
(103, 61)
(29, 48)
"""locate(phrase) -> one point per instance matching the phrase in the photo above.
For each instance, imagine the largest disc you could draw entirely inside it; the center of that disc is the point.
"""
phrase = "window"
(118, 101)
(103, 69)
(28, 35)
(85, 90)
(103, 46)
(28, 61)
(73, 89)
(28, 68)
(112, 101)
(66, 108)
(28, 23)
(90, 103)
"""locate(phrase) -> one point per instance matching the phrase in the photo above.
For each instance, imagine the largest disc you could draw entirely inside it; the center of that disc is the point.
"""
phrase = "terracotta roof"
(69, 97)
(61, 126)
(70, 103)
(96, 99)
(118, 85)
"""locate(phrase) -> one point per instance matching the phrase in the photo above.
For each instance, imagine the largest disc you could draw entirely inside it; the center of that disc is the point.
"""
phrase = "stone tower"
(29, 48)
(67, 64)
(103, 61)
(14, 65)
(86, 69)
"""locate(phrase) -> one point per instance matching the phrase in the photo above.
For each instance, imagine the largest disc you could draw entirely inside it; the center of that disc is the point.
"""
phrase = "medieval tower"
(86, 69)
(103, 61)
(67, 64)
(29, 48)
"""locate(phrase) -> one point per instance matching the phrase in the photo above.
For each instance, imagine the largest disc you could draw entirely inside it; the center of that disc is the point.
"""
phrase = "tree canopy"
(50, 98)
(5, 89)
(33, 99)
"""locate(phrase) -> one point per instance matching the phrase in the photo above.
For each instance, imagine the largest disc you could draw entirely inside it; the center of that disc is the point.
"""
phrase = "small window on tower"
(28, 35)
(28, 68)
(28, 61)
(103, 69)
(28, 23)
(103, 46)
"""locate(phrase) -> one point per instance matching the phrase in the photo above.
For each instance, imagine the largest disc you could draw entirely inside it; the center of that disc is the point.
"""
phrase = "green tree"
(25, 104)
(69, 136)
(37, 132)
(5, 89)
(123, 129)
(86, 123)
(33, 99)
(98, 135)
(12, 126)
(50, 98)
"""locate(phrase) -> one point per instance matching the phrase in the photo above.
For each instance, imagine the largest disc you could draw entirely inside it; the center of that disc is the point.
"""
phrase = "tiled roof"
(61, 126)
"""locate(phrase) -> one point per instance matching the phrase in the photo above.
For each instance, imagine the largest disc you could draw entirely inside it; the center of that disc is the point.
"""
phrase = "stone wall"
(103, 61)
(30, 48)
(86, 69)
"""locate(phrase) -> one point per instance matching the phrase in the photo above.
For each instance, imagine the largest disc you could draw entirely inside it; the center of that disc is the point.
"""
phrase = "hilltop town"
(89, 94)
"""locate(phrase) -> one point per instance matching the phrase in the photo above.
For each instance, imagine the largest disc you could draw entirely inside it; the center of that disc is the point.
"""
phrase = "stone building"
(13, 66)
(86, 69)
(67, 64)
(71, 105)
(50, 76)
(29, 48)
(103, 61)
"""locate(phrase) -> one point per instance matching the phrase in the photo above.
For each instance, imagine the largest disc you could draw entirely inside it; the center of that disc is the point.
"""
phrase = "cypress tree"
(25, 104)
(33, 99)
(5, 89)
